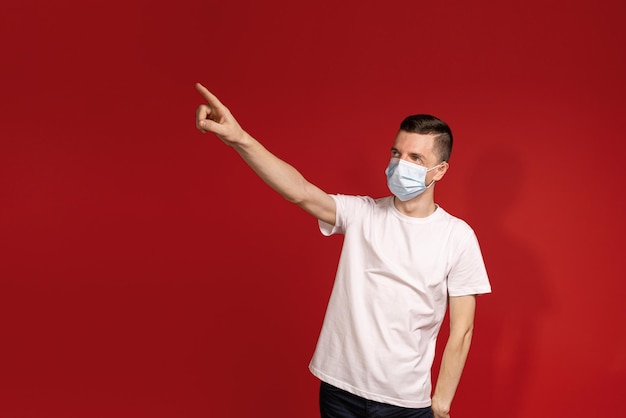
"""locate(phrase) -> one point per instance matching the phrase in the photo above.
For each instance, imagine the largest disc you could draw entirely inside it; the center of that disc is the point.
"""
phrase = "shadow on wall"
(509, 319)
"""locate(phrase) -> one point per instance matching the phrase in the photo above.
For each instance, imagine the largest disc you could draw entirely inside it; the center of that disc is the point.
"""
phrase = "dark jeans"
(337, 403)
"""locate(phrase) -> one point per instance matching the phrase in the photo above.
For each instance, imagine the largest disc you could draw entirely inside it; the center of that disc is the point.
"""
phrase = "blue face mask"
(407, 180)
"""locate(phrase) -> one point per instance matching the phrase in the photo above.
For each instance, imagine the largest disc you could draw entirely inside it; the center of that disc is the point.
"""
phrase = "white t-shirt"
(389, 298)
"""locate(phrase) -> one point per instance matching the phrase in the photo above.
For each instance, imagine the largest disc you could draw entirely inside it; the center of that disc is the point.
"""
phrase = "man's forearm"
(279, 175)
(286, 180)
(452, 364)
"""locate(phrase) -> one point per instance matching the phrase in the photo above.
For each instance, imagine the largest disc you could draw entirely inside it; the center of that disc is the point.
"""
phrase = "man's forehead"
(410, 141)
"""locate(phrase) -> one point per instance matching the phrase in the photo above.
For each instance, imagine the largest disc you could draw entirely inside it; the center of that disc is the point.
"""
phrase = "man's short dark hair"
(428, 124)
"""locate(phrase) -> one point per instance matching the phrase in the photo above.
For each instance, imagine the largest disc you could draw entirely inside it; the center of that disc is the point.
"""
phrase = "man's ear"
(441, 171)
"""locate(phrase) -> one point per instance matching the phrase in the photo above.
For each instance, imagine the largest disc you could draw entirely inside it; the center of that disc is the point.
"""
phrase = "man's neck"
(418, 207)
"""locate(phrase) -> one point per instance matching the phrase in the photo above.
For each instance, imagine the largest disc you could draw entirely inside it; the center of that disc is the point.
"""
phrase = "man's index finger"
(208, 96)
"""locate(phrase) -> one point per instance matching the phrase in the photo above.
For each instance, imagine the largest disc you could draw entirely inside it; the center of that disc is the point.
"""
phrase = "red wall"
(146, 272)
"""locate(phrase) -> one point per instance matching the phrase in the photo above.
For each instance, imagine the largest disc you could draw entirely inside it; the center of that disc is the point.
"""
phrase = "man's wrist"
(440, 405)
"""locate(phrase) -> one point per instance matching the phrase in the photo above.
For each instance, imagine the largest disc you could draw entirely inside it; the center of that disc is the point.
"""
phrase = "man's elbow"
(467, 336)
(298, 194)
(463, 336)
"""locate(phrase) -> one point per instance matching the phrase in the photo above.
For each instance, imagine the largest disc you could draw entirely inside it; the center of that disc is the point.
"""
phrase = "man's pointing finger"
(208, 96)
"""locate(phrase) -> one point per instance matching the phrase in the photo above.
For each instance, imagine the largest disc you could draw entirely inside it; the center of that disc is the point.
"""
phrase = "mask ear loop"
(432, 168)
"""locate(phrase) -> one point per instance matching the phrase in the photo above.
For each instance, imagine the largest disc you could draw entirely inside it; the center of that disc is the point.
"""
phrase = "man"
(404, 261)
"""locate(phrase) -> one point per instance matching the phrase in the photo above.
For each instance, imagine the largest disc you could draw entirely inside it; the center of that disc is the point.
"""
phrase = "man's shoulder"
(455, 221)
(363, 200)
(357, 206)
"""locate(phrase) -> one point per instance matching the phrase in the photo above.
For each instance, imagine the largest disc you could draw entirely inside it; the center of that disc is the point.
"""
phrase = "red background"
(146, 272)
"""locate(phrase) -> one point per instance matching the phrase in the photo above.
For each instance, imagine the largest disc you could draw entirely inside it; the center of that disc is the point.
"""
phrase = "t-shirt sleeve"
(327, 229)
(468, 275)
(348, 209)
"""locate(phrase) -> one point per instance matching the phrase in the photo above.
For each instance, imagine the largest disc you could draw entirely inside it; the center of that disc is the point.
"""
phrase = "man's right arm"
(214, 117)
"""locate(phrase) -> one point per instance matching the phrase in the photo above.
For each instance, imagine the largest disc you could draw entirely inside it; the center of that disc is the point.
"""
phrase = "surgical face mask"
(407, 180)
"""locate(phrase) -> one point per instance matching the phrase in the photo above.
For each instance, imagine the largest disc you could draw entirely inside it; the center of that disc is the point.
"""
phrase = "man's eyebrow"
(412, 154)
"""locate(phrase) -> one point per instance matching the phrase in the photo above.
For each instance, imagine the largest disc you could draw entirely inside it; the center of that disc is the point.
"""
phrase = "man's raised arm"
(215, 118)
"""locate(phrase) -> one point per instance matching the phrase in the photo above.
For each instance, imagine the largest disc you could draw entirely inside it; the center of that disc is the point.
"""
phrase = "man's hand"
(214, 117)
(439, 411)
